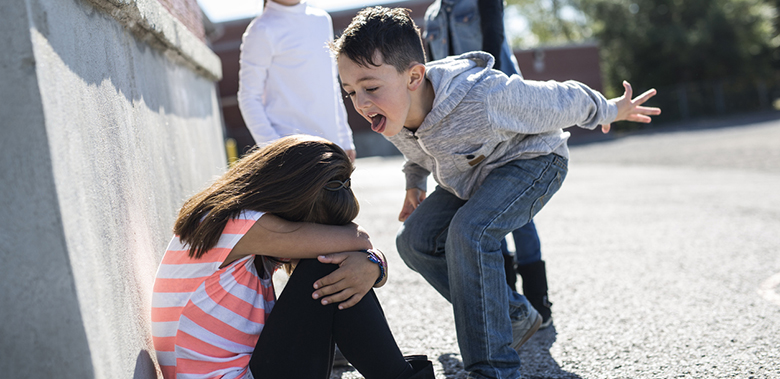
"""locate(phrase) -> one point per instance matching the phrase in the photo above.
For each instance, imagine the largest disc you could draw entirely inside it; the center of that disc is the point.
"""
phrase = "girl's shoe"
(423, 368)
(339, 360)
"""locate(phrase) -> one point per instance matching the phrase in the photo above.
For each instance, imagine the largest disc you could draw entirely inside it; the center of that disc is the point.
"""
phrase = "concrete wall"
(109, 120)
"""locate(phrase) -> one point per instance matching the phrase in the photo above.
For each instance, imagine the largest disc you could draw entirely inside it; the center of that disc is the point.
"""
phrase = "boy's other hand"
(630, 109)
(351, 154)
(414, 196)
(347, 285)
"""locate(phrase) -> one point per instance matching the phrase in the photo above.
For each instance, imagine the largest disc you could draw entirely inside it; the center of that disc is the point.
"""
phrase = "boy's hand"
(414, 196)
(351, 154)
(355, 276)
(631, 109)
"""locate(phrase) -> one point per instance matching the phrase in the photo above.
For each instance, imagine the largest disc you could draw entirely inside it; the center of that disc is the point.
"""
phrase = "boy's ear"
(416, 76)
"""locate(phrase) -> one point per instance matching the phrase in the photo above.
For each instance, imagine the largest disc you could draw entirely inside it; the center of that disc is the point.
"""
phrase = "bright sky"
(224, 10)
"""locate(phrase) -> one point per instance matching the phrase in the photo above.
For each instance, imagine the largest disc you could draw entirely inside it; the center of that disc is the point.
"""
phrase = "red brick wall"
(189, 13)
(574, 62)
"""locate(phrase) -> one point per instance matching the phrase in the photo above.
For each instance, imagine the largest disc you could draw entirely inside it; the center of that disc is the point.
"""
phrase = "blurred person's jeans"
(528, 248)
(455, 245)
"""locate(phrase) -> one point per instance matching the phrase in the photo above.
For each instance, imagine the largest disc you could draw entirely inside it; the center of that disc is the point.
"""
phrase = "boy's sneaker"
(524, 328)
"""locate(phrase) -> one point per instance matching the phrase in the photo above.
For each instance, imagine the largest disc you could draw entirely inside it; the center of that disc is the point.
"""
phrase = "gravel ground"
(663, 260)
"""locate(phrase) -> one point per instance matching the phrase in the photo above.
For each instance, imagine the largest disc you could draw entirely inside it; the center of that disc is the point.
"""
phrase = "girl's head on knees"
(298, 178)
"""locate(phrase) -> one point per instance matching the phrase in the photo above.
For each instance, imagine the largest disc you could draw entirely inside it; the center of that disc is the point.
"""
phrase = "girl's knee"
(312, 269)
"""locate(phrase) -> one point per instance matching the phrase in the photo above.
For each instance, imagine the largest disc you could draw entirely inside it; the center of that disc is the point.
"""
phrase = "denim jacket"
(454, 27)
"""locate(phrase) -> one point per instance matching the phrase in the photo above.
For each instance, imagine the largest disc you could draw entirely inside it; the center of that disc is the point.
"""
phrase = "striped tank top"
(206, 320)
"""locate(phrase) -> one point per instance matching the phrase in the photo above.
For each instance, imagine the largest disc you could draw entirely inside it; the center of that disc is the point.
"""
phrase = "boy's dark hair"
(391, 32)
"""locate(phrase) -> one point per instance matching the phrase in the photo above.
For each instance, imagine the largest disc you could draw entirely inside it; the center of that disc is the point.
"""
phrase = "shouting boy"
(495, 147)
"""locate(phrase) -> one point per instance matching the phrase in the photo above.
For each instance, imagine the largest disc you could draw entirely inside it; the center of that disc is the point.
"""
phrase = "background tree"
(714, 47)
(550, 22)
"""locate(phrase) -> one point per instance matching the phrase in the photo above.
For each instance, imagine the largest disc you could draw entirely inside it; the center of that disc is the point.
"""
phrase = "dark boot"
(509, 268)
(421, 366)
(535, 289)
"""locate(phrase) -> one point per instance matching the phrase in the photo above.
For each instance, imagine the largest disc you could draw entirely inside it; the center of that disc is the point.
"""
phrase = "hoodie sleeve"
(532, 107)
(416, 176)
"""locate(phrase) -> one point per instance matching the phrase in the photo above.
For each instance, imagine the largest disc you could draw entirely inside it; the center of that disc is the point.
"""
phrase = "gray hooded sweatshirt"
(481, 119)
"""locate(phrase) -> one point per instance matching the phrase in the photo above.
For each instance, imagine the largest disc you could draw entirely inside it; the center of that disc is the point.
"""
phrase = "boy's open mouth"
(378, 123)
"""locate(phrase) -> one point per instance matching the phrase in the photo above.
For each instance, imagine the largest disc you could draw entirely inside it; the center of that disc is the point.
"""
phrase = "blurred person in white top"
(288, 80)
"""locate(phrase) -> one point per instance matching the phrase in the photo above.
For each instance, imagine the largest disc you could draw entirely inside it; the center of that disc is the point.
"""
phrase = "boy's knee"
(464, 228)
(403, 242)
(411, 246)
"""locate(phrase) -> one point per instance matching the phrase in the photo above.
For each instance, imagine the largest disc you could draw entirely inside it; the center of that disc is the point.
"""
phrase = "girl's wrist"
(376, 256)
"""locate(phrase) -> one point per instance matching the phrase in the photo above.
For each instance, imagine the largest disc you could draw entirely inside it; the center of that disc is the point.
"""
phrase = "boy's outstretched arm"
(631, 109)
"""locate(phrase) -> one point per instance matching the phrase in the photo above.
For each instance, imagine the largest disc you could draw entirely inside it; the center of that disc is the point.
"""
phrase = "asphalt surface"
(663, 259)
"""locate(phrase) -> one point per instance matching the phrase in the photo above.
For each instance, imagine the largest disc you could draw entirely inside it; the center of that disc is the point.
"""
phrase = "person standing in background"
(288, 79)
(454, 27)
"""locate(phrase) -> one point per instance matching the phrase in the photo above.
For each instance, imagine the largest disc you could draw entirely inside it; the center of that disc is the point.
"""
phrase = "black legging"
(298, 338)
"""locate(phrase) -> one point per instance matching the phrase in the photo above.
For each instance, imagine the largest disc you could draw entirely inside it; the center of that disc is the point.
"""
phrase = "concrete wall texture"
(109, 120)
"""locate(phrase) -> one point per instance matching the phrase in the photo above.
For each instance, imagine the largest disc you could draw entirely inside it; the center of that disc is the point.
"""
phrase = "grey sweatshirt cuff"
(416, 180)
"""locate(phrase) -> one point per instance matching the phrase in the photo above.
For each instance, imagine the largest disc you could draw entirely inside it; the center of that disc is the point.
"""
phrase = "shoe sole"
(529, 333)
(546, 324)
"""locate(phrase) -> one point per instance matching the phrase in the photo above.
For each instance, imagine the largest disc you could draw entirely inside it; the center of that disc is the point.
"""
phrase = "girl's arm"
(276, 237)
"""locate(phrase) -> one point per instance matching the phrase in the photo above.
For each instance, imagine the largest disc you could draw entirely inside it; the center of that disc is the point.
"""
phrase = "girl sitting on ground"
(214, 312)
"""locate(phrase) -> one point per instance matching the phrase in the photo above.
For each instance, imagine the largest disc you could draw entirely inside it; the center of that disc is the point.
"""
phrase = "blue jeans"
(528, 248)
(455, 245)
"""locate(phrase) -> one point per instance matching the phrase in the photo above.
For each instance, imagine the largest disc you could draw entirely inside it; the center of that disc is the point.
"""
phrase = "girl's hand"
(355, 276)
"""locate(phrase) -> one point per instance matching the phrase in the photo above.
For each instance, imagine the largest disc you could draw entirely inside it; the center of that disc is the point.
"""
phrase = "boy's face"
(380, 94)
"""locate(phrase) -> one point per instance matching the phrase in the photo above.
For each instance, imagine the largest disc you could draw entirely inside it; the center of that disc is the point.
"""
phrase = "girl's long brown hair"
(286, 178)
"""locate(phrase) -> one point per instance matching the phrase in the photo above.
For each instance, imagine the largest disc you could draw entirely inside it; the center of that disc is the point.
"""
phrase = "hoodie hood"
(452, 78)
